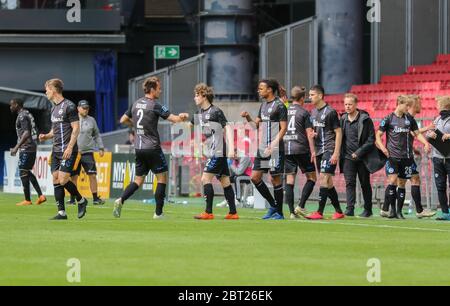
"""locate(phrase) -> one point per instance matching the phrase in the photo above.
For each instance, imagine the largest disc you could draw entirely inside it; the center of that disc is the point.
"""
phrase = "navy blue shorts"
(274, 165)
(150, 160)
(302, 161)
(27, 160)
(66, 166)
(404, 168)
(324, 164)
(217, 166)
(88, 163)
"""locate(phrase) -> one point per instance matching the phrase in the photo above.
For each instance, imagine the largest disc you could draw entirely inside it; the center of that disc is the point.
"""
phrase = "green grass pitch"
(180, 251)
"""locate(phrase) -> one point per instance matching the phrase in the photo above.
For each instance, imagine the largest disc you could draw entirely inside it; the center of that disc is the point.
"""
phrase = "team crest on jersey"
(207, 117)
(407, 122)
(323, 116)
(270, 110)
(61, 111)
(391, 170)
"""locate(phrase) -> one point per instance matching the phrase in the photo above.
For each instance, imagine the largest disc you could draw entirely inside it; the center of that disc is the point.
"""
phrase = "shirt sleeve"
(72, 113)
(384, 125)
(414, 125)
(282, 113)
(221, 118)
(25, 123)
(129, 112)
(308, 121)
(260, 111)
(333, 120)
(162, 111)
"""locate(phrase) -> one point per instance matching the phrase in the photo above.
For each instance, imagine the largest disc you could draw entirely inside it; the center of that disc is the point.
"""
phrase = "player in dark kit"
(298, 144)
(212, 122)
(26, 146)
(328, 140)
(272, 124)
(399, 126)
(143, 116)
(65, 131)
(414, 110)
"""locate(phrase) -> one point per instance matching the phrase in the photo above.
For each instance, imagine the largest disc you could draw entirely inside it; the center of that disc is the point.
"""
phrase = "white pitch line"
(331, 223)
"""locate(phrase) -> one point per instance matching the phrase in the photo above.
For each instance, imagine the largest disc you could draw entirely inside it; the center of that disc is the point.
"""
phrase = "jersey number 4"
(291, 126)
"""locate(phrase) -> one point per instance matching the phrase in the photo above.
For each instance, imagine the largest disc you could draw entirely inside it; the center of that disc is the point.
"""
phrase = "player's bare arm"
(250, 120)
(178, 119)
(73, 139)
(337, 150)
(25, 136)
(380, 144)
(125, 120)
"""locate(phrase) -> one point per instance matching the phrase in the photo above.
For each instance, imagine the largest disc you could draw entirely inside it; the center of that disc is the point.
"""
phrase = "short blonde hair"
(57, 84)
(405, 99)
(351, 96)
(444, 102)
(205, 91)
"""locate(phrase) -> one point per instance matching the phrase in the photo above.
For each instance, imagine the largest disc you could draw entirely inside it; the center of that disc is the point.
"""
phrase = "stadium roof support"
(32, 100)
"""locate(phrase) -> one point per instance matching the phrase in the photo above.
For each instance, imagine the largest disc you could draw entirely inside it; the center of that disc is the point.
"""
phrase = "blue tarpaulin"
(105, 87)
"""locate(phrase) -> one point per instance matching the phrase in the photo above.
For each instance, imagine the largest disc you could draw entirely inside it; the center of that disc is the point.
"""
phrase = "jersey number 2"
(140, 113)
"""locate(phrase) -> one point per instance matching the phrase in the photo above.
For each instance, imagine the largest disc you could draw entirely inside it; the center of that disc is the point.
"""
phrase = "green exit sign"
(167, 52)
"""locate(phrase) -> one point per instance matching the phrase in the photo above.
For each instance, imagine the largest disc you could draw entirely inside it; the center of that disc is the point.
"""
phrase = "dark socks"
(307, 191)
(208, 191)
(415, 192)
(160, 195)
(290, 197)
(386, 199)
(59, 197)
(95, 195)
(332, 193)
(131, 189)
(392, 197)
(72, 189)
(230, 197)
(279, 197)
(401, 195)
(35, 183)
(265, 192)
(26, 187)
(323, 196)
(443, 201)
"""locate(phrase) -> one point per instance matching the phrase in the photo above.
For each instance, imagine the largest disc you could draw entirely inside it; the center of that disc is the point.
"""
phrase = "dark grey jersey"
(271, 114)
(145, 114)
(399, 138)
(325, 121)
(212, 122)
(296, 138)
(25, 123)
(63, 115)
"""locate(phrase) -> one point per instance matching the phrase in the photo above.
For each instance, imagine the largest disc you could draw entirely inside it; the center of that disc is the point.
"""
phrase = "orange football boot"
(42, 199)
(24, 203)
(204, 216)
(232, 217)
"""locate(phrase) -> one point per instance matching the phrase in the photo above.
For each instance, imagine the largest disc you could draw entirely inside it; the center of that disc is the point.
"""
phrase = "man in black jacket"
(357, 159)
